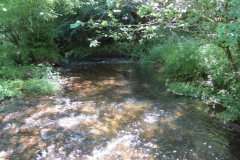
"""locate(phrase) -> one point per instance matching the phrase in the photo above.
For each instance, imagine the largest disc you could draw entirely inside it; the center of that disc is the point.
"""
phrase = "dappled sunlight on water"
(112, 112)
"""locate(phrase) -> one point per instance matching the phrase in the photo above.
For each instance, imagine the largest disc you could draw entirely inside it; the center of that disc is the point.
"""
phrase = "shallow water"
(113, 111)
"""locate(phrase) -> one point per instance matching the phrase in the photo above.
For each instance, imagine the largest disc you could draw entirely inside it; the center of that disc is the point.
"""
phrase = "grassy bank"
(198, 69)
(14, 80)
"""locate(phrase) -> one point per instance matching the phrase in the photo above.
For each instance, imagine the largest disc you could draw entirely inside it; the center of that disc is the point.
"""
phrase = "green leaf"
(219, 30)
(110, 3)
(77, 24)
(104, 23)
(117, 5)
(94, 43)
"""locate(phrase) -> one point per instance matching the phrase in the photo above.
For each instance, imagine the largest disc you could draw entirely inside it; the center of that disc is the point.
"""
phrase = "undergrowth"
(14, 80)
(198, 69)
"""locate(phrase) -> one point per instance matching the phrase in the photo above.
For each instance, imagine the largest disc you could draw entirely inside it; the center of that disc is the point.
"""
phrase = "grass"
(14, 80)
(44, 85)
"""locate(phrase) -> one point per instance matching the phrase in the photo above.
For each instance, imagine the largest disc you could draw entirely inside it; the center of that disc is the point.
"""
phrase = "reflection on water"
(112, 112)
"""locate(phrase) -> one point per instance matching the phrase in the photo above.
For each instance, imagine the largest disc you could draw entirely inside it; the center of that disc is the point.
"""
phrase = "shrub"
(28, 78)
(189, 89)
(17, 72)
(43, 85)
(180, 58)
(10, 88)
(44, 81)
(42, 54)
(230, 100)
(200, 70)
(130, 49)
(5, 59)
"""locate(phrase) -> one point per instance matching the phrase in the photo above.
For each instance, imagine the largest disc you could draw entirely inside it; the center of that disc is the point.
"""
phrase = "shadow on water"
(112, 111)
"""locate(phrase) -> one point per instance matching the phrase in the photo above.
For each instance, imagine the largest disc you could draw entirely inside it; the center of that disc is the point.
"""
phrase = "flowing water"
(113, 111)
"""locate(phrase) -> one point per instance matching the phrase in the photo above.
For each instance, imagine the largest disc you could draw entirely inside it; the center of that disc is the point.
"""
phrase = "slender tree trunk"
(238, 49)
(238, 57)
(231, 61)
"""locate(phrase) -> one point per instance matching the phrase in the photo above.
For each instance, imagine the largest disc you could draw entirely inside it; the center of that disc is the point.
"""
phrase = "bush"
(191, 59)
(214, 63)
(14, 80)
(10, 88)
(43, 85)
(5, 59)
(130, 49)
(230, 100)
(17, 72)
(44, 81)
(135, 49)
(42, 54)
(200, 70)
(180, 58)
(189, 89)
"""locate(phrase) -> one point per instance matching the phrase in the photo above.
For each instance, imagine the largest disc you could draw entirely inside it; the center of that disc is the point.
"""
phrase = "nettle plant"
(45, 80)
(230, 100)
(198, 68)
(10, 88)
(14, 80)
(225, 83)
(180, 58)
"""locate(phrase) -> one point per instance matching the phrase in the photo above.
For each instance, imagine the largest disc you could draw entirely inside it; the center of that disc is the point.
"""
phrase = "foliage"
(43, 85)
(44, 81)
(118, 22)
(191, 59)
(71, 24)
(38, 31)
(42, 54)
(190, 89)
(15, 80)
(220, 21)
(10, 88)
(230, 100)
(200, 70)
(180, 58)
(13, 72)
(215, 64)
(130, 49)
(217, 20)
(5, 59)
(220, 17)
(31, 28)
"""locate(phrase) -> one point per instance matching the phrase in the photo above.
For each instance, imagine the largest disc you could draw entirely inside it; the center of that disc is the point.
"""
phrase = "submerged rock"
(40, 154)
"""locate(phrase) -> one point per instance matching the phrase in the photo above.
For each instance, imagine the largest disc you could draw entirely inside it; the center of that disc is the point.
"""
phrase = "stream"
(113, 111)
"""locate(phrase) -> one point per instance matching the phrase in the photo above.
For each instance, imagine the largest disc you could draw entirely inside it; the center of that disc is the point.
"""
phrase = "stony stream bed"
(113, 111)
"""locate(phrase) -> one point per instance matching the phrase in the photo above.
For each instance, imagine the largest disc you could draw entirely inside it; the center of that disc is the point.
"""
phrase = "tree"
(219, 21)
(31, 26)
(216, 20)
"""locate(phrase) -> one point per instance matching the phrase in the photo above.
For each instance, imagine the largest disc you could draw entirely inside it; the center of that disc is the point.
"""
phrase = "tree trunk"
(238, 49)
(232, 63)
